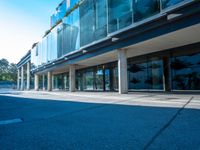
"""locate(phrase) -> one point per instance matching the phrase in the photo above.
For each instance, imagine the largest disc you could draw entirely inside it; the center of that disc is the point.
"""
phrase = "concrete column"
(122, 72)
(43, 82)
(18, 79)
(49, 82)
(72, 79)
(36, 82)
(52, 83)
(167, 83)
(28, 76)
(22, 78)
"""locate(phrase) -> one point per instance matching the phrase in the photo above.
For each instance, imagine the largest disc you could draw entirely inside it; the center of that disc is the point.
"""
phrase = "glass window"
(98, 84)
(186, 72)
(146, 75)
(168, 3)
(155, 74)
(87, 22)
(101, 19)
(60, 42)
(119, 14)
(89, 79)
(58, 81)
(145, 8)
(71, 32)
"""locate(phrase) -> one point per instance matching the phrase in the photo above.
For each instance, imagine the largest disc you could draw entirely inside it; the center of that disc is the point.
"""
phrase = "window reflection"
(145, 8)
(168, 3)
(120, 14)
(186, 72)
(146, 75)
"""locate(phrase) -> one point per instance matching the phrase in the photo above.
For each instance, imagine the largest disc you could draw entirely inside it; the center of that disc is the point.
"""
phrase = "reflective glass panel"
(87, 22)
(186, 72)
(119, 14)
(71, 32)
(145, 8)
(146, 75)
(168, 3)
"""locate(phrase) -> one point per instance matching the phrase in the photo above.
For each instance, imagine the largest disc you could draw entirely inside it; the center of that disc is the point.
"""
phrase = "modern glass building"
(117, 45)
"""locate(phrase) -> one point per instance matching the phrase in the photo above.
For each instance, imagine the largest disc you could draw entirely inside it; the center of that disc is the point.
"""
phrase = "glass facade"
(186, 72)
(145, 8)
(120, 14)
(61, 81)
(98, 78)
(89, 21)
(168, 3)
(146, 74)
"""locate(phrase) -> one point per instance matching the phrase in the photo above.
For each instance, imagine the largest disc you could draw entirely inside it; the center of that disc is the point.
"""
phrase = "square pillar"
(43, 82)
(36, 77)
(72, 79)
(122, 72)
(28, 76)
(167, 82)
(18, 79)
(22, 78)
(49, 82)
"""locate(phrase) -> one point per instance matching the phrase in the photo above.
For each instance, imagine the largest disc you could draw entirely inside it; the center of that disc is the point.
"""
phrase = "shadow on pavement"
(57, 124)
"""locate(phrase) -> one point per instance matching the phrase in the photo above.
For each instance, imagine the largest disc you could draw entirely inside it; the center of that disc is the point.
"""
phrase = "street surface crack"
(167, 124)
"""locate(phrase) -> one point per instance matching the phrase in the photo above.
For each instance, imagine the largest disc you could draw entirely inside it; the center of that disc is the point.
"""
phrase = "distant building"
(117, 45)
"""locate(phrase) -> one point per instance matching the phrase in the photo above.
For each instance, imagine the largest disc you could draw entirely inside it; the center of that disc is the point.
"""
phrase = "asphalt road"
(55, 124)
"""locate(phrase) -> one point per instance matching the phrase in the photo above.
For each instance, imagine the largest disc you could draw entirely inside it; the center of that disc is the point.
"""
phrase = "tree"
(8, 72)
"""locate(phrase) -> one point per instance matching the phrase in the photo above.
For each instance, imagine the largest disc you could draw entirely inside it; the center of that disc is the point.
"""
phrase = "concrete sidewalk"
(62, 120)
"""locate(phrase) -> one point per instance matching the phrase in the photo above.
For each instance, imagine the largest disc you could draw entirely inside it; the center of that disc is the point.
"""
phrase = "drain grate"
(11, 121)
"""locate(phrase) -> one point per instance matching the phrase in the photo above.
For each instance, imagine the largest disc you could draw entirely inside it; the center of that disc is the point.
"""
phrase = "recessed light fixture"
(84, 51)
(114, 39)
(66, 58)
(173, 16)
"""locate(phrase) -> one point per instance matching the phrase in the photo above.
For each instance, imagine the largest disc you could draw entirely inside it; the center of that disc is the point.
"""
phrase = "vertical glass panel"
(71, 32)
(119, 14)
(137, 75)
(186, 72)
(145, 8)
(100, 19)
(66, 81)
(98, 85)
(168, 3)
(79, 81)
(146, 75)
(107, 79)
(115, 78)
(58, 82)
(89, 79)
(60, 42)
(87, 22)
(155, 74)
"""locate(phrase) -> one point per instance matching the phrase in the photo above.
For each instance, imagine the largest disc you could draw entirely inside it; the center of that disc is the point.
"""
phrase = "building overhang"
(24, 60)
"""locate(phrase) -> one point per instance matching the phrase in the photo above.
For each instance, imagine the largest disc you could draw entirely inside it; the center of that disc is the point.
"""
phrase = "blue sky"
(23, 22)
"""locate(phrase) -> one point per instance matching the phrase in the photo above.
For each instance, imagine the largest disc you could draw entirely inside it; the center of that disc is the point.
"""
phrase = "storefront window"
(146, 75)
(61, 81)
(186, 72)
(98, 84)
(89, 79)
